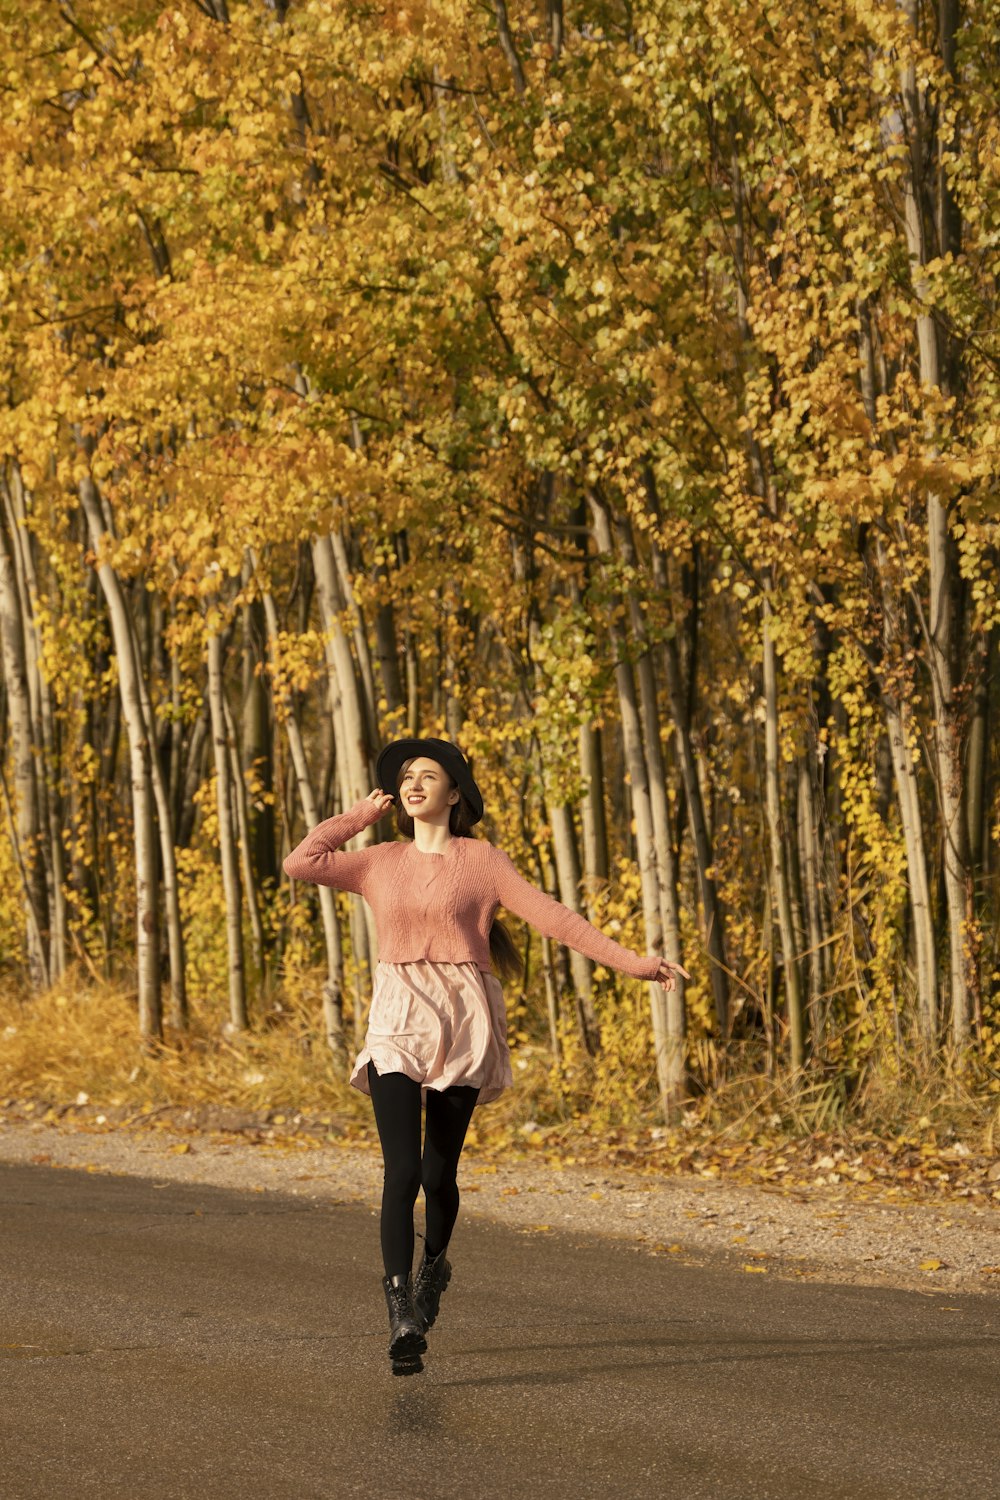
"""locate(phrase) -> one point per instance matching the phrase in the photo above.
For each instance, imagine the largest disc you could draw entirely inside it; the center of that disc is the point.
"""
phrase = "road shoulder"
(812, 1234)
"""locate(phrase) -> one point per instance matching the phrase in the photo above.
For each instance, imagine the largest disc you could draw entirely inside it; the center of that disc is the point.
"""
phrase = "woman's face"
(425, 791)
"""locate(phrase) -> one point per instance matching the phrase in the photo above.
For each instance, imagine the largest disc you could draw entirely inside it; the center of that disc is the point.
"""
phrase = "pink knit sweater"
(441, 906)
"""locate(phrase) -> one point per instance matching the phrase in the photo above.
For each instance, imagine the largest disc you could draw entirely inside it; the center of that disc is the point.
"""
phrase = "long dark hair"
(503, 954)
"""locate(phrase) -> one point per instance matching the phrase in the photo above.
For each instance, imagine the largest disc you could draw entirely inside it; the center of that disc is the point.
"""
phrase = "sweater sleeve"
(555, 920)
(318, 858)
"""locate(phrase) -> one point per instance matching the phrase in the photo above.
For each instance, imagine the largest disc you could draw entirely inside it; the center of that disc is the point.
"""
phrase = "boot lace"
(400, 1300)
(428, 1274)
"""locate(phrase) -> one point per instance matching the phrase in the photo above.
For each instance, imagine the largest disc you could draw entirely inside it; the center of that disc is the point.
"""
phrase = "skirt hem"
(442, 1024)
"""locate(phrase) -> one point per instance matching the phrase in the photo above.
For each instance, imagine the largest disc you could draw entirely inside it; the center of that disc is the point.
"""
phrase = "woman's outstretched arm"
(555, 920)
(319, 859)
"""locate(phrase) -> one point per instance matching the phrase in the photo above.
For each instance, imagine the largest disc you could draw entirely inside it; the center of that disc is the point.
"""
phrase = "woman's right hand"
(384, 801)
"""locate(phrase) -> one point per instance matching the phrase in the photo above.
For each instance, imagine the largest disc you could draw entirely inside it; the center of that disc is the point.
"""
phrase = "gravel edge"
(817, 1234)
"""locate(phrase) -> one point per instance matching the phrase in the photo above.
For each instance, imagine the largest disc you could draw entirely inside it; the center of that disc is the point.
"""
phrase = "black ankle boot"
(433, 1276)
(406, 1333)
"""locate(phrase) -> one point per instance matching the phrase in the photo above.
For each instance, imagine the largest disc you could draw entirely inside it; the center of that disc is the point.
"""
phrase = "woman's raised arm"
(319, 859)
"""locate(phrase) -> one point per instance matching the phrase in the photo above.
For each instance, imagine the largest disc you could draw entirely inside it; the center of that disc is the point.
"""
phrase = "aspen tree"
(228, 855)
(333, 1013)
(140, 763)
(668, 1020)
(22, 809)
(926, 206)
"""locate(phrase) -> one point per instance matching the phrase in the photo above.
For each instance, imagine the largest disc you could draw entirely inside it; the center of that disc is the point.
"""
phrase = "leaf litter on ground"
(923, 1165)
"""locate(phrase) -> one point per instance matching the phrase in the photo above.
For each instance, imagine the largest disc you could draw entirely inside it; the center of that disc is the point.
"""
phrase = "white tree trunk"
(168, 857)
(24, 814)
(592, 819)
(568, 879)
(666, 862)
(942, 624)
(333, 988)
(668, 1045)
(140, 759)
(340, 660)
(712, 909)
(896, 718)
(779, 856)
(359, 634)
(44, 731)
(808, 845)
(243, 831)
(235, 967)
(353, 768)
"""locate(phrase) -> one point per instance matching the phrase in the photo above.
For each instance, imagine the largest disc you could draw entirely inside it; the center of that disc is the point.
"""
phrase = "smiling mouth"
(416, 799)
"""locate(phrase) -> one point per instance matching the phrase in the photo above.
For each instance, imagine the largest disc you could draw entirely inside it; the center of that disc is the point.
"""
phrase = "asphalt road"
(189, 1342)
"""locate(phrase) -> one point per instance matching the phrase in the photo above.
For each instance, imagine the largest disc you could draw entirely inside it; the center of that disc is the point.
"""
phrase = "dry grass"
(79, 1042)
(81, 1039)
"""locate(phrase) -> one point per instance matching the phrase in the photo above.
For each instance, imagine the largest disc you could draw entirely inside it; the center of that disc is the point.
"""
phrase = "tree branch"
(507, 47)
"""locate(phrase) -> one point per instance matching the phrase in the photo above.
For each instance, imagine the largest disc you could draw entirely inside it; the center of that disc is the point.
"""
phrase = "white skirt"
(440, 1024)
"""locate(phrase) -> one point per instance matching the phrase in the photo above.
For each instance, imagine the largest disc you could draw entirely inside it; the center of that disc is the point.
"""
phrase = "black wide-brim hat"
(391, 759)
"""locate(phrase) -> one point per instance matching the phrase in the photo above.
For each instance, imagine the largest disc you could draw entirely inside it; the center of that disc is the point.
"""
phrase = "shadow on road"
(681, 1354)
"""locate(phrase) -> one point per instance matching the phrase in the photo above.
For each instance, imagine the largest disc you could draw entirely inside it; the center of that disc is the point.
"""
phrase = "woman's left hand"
(666, 974)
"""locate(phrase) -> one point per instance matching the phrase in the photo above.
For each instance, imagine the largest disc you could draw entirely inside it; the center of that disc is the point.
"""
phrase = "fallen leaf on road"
(931, 1264)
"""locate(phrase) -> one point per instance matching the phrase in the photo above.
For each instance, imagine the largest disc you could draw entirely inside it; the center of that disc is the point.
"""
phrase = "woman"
(437, 1026)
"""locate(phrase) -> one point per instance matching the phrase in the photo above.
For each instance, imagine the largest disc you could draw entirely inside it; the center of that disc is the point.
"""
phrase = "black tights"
(397, 1114)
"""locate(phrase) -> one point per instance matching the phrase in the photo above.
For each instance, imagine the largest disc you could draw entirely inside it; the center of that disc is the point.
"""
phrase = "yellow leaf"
(761, 1270)
(181, 1149)
(930, 1264)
